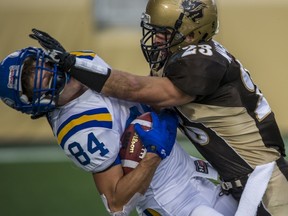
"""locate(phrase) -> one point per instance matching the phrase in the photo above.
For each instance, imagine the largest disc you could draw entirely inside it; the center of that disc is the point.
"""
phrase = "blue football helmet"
(43, 100)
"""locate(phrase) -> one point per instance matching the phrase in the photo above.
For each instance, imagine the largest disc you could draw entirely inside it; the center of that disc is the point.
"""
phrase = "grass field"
(40, 181)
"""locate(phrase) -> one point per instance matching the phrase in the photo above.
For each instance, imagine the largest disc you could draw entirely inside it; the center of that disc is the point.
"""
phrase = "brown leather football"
(132, 150)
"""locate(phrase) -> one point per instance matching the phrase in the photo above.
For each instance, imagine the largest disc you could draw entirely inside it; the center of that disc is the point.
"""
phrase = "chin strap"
(37, 116)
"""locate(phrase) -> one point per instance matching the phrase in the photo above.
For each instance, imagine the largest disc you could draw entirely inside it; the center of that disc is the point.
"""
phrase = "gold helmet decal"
(193, 9)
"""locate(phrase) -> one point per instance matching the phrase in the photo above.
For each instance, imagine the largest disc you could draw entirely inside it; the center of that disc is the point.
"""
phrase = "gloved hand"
(161, 137)
(171, 119)
(54, 50)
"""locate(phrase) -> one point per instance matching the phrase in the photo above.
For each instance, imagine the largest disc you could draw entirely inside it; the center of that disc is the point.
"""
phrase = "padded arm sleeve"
(91, 74)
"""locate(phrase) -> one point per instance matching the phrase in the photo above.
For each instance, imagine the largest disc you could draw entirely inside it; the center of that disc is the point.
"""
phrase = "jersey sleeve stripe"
(151, 212)
(85, 125)
(86, 55)
(91, 118)
(100, 118)
(79, 115)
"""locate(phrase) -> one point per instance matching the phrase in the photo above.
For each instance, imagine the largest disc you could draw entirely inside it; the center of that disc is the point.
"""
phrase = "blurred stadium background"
(35, 176)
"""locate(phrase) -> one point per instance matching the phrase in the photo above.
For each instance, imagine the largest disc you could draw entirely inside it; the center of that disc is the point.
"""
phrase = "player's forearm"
(142, 175)
(137, 181)
(155, 91)
(112, 83)
(123, 85)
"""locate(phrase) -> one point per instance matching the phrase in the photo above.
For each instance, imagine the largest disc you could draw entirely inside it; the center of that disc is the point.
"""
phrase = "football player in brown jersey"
(222, 111)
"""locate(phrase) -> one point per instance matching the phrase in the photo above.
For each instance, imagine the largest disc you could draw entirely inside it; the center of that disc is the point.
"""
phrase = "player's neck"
(72, 90)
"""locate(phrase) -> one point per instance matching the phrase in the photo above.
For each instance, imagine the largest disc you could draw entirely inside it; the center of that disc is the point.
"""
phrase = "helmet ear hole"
(178, 36)
(190, 37)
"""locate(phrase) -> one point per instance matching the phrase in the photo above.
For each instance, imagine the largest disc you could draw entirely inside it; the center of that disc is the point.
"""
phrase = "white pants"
(200, 197)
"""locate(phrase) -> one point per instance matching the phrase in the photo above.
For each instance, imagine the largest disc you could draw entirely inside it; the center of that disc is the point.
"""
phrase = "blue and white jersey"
(89, 129)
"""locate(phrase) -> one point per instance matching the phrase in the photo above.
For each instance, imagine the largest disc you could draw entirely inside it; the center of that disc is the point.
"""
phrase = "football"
(132, 150)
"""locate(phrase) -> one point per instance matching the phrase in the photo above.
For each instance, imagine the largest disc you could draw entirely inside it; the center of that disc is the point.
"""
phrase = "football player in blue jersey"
(88, 127)
(222, 111)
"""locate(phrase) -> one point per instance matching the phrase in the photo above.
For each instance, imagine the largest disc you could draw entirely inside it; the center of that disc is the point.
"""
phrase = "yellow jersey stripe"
(91, 118)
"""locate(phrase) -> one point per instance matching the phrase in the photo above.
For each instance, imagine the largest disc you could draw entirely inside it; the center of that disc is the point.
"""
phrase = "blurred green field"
(40, 181)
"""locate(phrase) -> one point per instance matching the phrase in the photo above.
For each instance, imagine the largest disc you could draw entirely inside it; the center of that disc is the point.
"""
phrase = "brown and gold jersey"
(230, 122)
